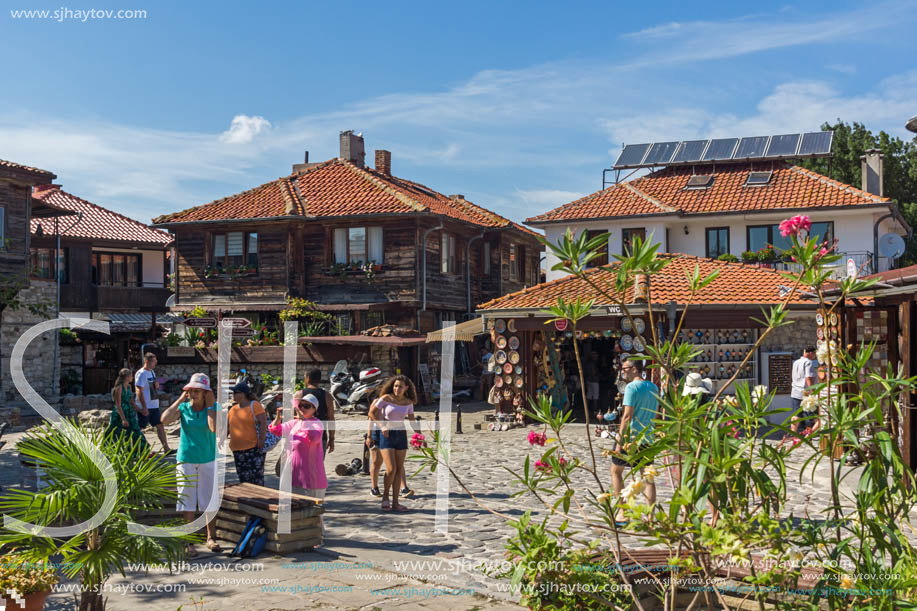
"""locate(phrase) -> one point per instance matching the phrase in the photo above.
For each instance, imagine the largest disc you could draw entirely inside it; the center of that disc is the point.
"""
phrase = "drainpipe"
(468, 268)
(423, 261)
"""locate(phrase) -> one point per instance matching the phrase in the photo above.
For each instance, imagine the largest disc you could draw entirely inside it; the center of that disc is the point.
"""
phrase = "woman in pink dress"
(307, 461)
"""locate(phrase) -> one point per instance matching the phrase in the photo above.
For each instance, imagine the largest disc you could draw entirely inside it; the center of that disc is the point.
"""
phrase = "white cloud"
(244, 129)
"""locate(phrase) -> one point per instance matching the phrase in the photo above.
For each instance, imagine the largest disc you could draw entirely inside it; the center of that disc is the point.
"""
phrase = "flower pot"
(33, 602)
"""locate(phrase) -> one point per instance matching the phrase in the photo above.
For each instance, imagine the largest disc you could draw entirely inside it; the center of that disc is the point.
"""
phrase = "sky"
(518, 106)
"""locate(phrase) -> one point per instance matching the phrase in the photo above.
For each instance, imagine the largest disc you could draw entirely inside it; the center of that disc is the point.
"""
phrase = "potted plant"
(29, 580)
(74, 494)
(210, 271)
(749, 256)
(728, 257)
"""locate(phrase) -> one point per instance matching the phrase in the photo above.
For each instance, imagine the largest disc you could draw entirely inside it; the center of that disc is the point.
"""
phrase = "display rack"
(723, 351)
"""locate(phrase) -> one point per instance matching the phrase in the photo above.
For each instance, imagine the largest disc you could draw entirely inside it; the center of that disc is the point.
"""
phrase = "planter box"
(180, 351)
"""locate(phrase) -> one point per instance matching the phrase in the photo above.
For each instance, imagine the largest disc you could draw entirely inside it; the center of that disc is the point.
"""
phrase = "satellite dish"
(891, 245)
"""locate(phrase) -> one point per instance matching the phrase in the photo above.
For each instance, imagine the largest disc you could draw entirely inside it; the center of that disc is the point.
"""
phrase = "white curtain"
(340, 245)
(374, 240)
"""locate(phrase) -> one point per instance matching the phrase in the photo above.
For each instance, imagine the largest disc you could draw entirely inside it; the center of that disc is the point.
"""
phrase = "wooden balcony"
(148, 298)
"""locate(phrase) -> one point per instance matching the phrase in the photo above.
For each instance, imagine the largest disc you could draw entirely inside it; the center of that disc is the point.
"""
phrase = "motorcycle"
(255, 384)
(352, 395)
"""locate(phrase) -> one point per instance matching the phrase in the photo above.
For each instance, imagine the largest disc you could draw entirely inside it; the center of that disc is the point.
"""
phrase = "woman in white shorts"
(196, 460)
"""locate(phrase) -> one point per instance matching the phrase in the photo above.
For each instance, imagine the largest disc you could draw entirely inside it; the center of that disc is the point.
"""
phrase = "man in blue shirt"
(641, 398)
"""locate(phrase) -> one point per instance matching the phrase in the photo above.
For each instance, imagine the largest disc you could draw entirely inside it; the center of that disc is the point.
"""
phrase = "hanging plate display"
(834, 319)
(625, 356)
(820, 333)
(639, 326)
(507, 379)
(498, 382)
(511, 325)
(518, 370)
(507, 393)
(607, 332)
(500, 356)
(500, 325)
(514, 357)
(507, 368)
(568, 334)
(579, 334)
(518, 382)
(501, 342)
(514, 343)
(638, 344)
(626, 325)
(833, 333)
(819, 319)
(627, 342)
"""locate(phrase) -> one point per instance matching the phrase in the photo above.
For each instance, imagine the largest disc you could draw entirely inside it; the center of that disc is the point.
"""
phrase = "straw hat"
(695, 385)
(198, 380)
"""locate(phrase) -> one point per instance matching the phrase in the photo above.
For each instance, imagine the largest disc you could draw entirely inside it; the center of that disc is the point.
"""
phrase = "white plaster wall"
(154, 272)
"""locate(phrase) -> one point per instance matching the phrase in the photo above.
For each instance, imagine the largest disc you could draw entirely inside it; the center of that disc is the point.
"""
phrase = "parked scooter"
(354, 395)
(254, 383)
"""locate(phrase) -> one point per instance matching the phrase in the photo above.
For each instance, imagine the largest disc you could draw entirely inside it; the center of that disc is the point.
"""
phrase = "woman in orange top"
(247, 428)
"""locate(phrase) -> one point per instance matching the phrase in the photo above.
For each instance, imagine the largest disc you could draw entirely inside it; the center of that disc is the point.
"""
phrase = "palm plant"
(75, 492)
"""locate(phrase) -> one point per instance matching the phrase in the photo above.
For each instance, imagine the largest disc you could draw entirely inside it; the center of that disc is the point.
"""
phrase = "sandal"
(375, 491)
(386, 506)
(400, 508)
(213, 546)
(407, 493)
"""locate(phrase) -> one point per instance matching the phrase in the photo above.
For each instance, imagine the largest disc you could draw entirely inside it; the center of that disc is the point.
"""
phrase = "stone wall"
(38, 363)
(792, 338)
(71, 365)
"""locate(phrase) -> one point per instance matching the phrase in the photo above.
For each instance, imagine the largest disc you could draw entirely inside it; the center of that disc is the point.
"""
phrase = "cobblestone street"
(366, 549)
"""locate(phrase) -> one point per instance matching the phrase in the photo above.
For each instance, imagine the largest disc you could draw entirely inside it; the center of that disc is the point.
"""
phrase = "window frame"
(513, 255)
(774, 230)
(367, 245)
(52, 263)
(97, 268)
(626, 233)
(448, 257)
(602, 259)
(223, 266)
(707, 231)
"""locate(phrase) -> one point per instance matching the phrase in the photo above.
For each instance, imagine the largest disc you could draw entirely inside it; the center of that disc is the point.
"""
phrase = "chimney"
(352, 147)
(872, 172)
(305, 165)
(384, 162)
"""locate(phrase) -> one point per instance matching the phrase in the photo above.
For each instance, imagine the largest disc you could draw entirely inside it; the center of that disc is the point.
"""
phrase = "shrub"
(731, 258)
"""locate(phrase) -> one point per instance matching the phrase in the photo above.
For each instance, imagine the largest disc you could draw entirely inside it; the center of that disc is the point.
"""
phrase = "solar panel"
(720, 149)
(783, 146)
(660, 153)
(690, 150)
(750, 148)
(816, 143)
(632, 155)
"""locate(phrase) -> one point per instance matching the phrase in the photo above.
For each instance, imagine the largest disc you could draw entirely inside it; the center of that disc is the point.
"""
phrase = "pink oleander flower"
(822, 252)
(417, 441)
(792, 226)
(562, 461)
(537, 438)
(542, 466)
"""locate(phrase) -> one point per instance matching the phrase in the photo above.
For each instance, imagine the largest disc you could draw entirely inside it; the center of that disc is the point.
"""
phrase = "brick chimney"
(384, 162)
(872, 172)
(352, 147)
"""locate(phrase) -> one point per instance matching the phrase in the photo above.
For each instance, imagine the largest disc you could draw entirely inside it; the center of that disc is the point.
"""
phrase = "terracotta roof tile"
(790, 187)
(98, 223)
(19, 166)
(737, 284)
(340, 188)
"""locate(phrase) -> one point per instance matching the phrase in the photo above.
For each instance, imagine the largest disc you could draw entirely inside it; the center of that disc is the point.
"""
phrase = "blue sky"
(518, 106)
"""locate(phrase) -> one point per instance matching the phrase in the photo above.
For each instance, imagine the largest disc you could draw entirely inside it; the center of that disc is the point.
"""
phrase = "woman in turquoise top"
(196, 460)
(123, 419)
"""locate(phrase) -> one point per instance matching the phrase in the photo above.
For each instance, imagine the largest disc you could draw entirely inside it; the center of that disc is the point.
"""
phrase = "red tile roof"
(663, 192)
(25, 168)
(737, 284)
(339, 188)
(97, 223)
(902, 275)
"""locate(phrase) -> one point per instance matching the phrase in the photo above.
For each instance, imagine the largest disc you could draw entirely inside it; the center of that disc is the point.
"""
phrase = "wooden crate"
(242, 501)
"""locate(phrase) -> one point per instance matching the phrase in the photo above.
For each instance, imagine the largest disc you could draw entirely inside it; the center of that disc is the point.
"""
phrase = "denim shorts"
(150, 420)
(397, 440)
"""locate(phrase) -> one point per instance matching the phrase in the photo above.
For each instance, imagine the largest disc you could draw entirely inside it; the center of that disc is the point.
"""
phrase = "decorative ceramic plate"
(638, 344)
(833, 333)
(518, 370)
(514, 357)
(819, 319)
(511, 325)
(834, 319)
(579, 334)
(626, 325)
(500, 356)
(820, 333)
(498, 382)
(518, 382)
(568, 334)
(501, 342)
(514, 343)
(639, 326)
(500, 325)
(507, 379)
(627, 342)
(507, 368)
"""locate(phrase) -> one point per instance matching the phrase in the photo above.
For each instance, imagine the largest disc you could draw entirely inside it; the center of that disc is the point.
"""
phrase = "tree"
(851, 141)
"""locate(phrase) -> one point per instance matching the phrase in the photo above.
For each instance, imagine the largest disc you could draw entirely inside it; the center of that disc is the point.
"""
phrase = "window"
(117, 269)
(627, 236)
(699, 181)
(447, 250)
(823, 232)
(513, 262)
(759, 236)
(342, 323)
(358, 245)
(758, 179)
(373, 318)
(42, 263)
(602, 259)
(717, 241)
(234, 250)
(520, 255)
(485, 260)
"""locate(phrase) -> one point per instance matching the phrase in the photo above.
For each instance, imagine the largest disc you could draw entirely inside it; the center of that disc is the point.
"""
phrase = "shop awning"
(365, 340)
(133, 321)
(464, 331)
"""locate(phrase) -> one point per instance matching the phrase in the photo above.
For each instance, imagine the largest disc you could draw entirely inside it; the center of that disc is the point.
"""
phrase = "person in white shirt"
(805, 370)
(146, 385)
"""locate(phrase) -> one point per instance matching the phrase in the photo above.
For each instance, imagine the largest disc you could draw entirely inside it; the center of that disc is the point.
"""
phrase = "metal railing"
(862, 259)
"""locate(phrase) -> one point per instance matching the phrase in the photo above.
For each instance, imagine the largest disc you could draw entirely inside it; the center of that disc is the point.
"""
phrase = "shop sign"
(851, 269)
(236, 323)
(561, 324)
(243, 332)
(202, 323)
(615, 310)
